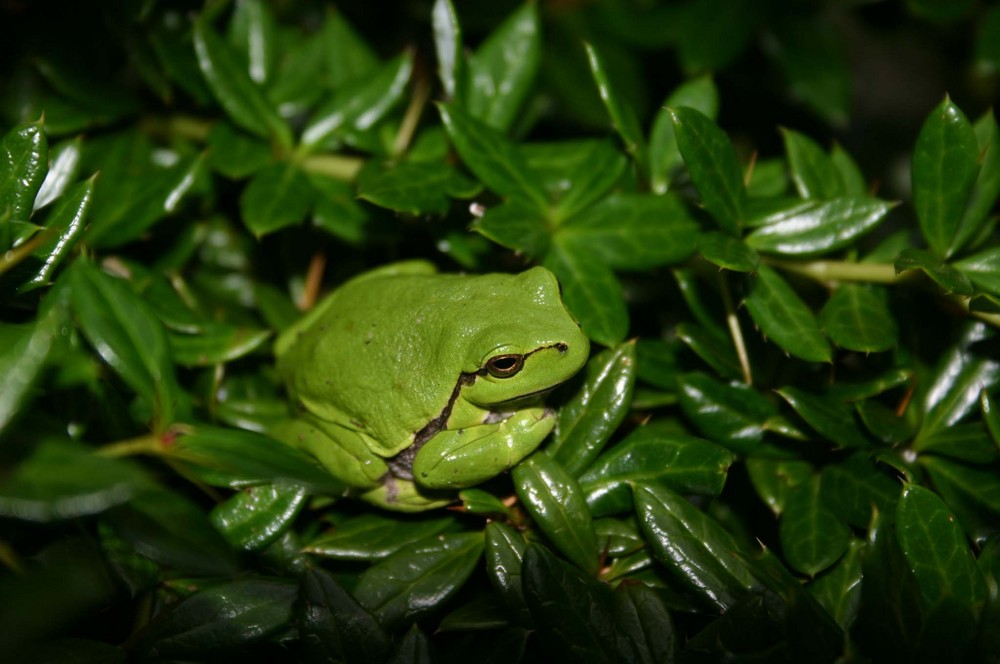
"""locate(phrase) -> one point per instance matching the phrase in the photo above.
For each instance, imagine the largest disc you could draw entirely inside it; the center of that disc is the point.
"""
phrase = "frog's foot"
(455, 459)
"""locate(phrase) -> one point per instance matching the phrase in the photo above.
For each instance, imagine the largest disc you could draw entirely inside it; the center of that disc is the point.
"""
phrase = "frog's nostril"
(562, 348)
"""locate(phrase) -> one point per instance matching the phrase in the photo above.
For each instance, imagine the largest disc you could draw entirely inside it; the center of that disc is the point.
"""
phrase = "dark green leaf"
(972, 493)
(834, 420)
(695, 550)
(839, 588)
(727, 252)
(591, 292)
(982, 269)
(945, 166)
(858, 318)
(856, 486)
(714, 348)
(63, 227)
(664, 156)
(452, 68)
(419, 578)
(64, 480)
(813, 171)
(278, 195)
(220, 619)
(64, 163)
(808, 229)
(235, 155)
(854, 181)
(966, 442)
(775, 480)
(632, 231)
(785, 318)
(937, 551)
(505, 548)
(712, 33)
(991, 415)
(173, 531)
(940, 10)
(988, 41)
(623, 116)
(492, 157)
(589, 179)
(348, 56)
(424, 188)
(768, 180)
(987, 188)
(557, 505)
(733, 415)
(126, 335)
(23, 351)
(374, 536)
(24, 162)
(334, 627)
(252, 32)
(944, 274)
(336, 210)
(812, 537)
(216, 344)
(502, 70)
(814, 59)
(255, 517)
(243, 100)
(586, 423)
(515, 225)
(711, 161)
(654, 455)
(413, 648)
(642, 616)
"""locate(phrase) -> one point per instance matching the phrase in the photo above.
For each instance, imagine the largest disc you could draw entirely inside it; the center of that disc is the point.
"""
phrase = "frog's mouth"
(496, 416)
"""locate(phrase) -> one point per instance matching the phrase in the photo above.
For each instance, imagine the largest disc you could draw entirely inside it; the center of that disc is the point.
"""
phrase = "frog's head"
(528, 345)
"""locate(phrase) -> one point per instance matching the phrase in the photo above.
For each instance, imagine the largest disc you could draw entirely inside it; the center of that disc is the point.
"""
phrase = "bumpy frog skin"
(412, 384)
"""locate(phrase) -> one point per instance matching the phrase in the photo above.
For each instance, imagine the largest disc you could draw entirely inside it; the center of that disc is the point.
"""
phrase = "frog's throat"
(401, 465)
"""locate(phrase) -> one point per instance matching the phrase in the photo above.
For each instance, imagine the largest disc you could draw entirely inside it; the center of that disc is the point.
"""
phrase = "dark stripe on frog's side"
(401, 465)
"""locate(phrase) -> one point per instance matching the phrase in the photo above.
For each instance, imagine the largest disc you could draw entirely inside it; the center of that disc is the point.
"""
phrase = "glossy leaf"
(374, 536)
(839, 588)
(452, 68)
(633, 231)
(857, 318)
(255, 517)
(856, 487)
(785, 318)
(711, 161)
(813, 171)
(591, 292)
(664, 155)
(64, 164)
(587, 421)
(987, 188)
(944, 274)
(945, 167)
(807, 229)
(220, 618)
(24, 154)
(727, 252)
(589, 180)
(243, 100)
(971, 492)
(969, 442)
(695, 550)
(654, 455)
(505, 549)
(234, 154)
(732, 415)
(252, 31)
(557, 505)
(348, 55)
(502, 70)
(714, 348)
(515, 225)
(832, 419)
(622, 116)
(23, 352)
(419, 577)
(991, 415)
(982, 269)
(334, 626)
(850, 175)
(492, 157)
(416, 188)
(937, 551)
(775, 480)
(63, 227)
(278, 195)
(812, 537)
(216, 344)
(126, 335)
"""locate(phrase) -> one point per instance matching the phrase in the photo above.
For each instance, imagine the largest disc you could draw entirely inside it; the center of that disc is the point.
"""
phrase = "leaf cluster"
(785, 446)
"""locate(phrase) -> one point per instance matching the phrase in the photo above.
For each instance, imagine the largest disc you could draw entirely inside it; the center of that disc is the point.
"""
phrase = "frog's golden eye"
(504, 366)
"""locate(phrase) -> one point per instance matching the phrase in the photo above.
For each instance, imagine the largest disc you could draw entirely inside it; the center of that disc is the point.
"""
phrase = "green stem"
(879, 273)
(149, 444)
(733, 323)
(333, 166)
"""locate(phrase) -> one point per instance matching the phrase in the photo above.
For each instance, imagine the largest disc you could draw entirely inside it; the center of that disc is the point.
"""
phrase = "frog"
(409, 384)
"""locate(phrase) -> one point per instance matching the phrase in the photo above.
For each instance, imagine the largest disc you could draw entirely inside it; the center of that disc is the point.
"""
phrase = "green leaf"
(712, 33)
(982, 269)
(768, 179)
(809, 229)
(516, 225)
(591, 292)
(235, 154)
(492, 157)
(987, 42)
(337, 211)
(664, 155)
(62, 228)
(834, 420)
(632, 231)
(23, 352)
(839, 588)
(216, 344)
(812, 537)
(945, 166)
(856, 487)
(219, 619)
(333, 625)
(256, 517)
(972, 493)
(711, 161)
(969, 442)
(850, 175)
(944, 274)
(557, 505)
(233, 458)
(733, 415)
(360, 105)
(940, 10)
(658, 456)
(415, 188)
(243, 100)
(936, 550)
(24, 162)
(278, 195)
(348, 56)
(452, 68)
(991, 415)
(858, 318)
(64, 163)
(505, 549)
(252, 33)
(713, 347)
(623, 116)
(813, 171)
(587, 421)
(419, 577)
(727, 252)
(695, 550)
(502, 71)
(374, 536)
(589, 179)
(987, 188)
(173, 531)
(65, 480)
(126, 334)
(813, 56)
(775, 480)
(642, 615)
(785, 318)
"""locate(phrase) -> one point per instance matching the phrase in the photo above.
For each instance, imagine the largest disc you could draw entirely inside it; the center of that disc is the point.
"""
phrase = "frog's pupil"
(504, 365)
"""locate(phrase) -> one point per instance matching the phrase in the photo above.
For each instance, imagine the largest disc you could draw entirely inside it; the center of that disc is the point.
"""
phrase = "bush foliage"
(785, 446)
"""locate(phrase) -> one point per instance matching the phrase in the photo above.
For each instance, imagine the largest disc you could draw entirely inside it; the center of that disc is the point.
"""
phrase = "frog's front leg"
(459, 458)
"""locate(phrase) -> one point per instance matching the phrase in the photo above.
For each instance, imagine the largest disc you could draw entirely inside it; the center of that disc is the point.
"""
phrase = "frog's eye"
(504, 366)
